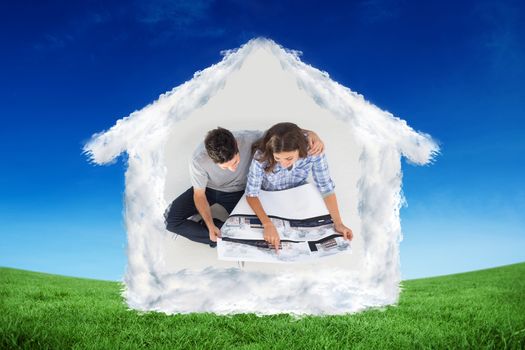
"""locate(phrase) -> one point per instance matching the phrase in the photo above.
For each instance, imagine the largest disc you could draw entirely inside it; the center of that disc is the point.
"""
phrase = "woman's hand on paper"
(271, 235)
(345, 231)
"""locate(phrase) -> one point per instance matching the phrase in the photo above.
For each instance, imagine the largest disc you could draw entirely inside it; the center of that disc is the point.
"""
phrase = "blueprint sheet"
(301, 219)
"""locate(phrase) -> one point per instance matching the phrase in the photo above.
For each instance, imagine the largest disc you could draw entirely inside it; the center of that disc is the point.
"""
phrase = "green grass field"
(482, 309)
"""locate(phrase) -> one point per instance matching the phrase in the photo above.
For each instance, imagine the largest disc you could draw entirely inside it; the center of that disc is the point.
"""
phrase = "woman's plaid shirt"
(282, 179)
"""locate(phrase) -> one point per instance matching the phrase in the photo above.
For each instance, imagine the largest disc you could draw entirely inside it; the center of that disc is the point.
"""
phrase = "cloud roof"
(368, 120)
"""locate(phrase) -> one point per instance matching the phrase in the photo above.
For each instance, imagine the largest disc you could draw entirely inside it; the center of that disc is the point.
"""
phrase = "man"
(218, 171)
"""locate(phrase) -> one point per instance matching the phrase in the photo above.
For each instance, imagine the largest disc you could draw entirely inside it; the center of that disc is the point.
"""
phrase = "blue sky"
(68, 70)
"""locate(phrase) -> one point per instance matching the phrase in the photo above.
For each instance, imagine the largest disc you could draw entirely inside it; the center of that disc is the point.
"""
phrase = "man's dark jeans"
(183, 207)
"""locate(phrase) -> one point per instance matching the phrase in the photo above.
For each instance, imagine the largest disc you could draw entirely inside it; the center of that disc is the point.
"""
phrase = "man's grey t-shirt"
(205, 173)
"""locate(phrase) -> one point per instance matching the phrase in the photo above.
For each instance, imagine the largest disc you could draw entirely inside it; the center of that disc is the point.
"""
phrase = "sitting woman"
(280, 162)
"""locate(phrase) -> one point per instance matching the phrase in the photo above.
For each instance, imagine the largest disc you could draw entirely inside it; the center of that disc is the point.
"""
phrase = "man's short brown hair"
(221, 145)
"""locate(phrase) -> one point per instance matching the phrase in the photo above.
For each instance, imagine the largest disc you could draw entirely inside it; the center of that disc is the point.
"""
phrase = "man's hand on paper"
(214, 233)
(272, 236)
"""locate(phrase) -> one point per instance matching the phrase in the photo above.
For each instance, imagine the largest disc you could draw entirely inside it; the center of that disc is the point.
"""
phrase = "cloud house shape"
(254, 87)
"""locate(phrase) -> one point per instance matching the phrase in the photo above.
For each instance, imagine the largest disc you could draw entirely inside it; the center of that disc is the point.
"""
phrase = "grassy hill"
(482, 309)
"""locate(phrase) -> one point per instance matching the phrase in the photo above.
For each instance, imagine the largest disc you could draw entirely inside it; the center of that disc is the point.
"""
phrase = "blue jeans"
(183, 207)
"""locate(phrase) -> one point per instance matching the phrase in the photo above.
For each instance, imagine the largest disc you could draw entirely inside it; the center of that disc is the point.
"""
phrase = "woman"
(281, 161)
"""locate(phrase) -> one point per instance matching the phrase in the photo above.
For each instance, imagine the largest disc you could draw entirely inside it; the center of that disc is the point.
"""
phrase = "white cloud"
(177, 19)
(179, 12)
(252, 88)
(374, 11)
(500, 35)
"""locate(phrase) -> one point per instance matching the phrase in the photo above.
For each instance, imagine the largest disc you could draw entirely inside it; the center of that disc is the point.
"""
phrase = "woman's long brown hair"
(282, 137)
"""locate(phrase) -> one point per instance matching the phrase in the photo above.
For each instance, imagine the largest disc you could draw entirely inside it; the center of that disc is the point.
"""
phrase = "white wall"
(257, 96)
